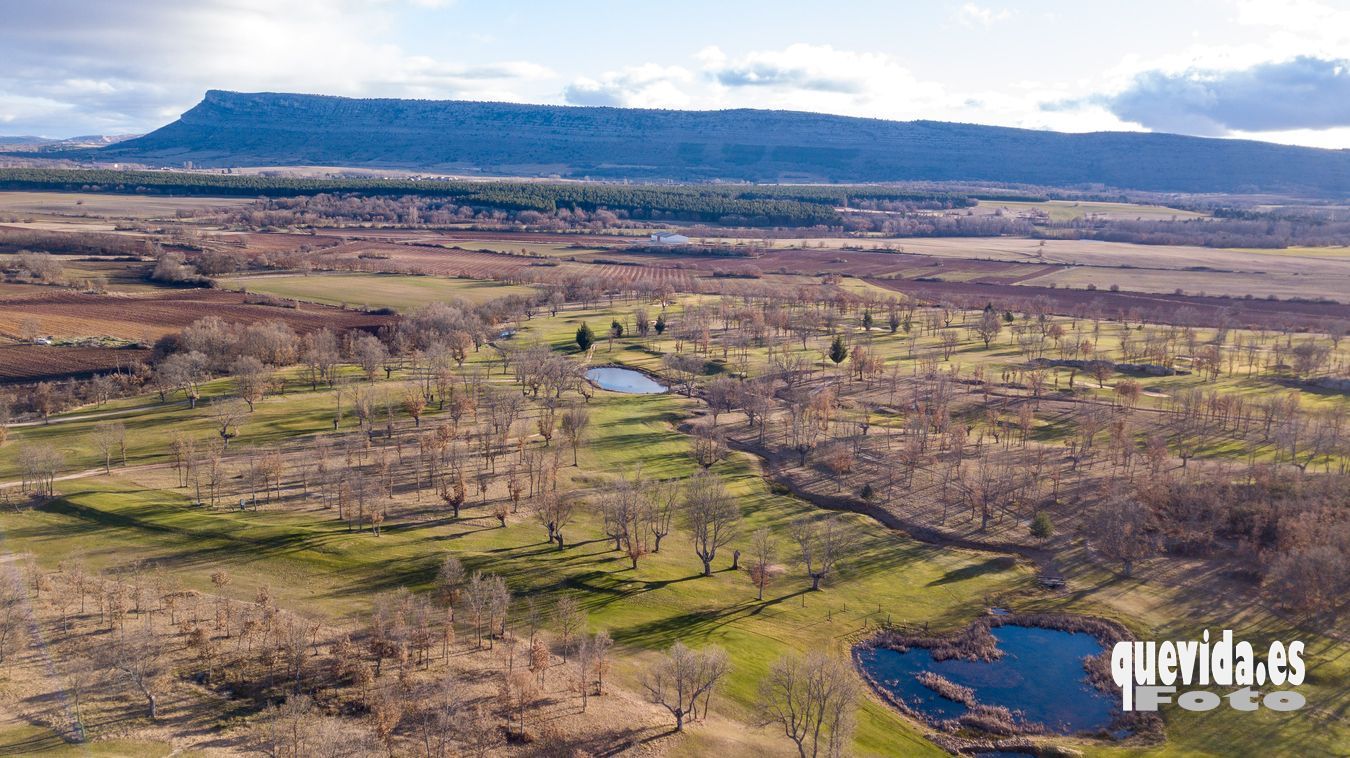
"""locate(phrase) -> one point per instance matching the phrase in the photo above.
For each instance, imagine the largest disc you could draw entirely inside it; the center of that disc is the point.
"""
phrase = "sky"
(1276, 70)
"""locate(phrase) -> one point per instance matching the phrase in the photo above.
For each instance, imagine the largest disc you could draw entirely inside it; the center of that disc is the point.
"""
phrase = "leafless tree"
(663, 499)
(763, 552)
(568, 621)
(683, 677)
(822, 542)
(13, 612)
(812, 699)
(989, 326)
(710, 515)
(576, 422)
(140, 663)
(110, 437)
(1120, 530)
(554, 512)
(252, 379)
(226, 416)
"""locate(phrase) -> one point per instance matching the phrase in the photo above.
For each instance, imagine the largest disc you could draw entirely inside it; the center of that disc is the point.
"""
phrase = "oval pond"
(617, 379)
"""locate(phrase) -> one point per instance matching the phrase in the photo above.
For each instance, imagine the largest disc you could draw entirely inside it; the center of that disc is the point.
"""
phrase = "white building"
(669, 238)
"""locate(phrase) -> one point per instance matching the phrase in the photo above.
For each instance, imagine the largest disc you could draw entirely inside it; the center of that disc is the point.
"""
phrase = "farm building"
(669, 238)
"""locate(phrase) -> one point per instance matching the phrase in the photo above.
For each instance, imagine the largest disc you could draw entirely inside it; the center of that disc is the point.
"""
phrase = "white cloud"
(826, 79)
(971, 14)
(801, 66)
(645, 86)
(1286, 84)
(1302, 93)
(77, 54)
(819, 77)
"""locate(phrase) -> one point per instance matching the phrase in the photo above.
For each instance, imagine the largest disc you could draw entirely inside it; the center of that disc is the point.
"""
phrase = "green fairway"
(311, 562)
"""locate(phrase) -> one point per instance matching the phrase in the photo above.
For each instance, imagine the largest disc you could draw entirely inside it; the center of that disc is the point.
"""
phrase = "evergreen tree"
(1041, 526)
(838, 350)
(585, 337)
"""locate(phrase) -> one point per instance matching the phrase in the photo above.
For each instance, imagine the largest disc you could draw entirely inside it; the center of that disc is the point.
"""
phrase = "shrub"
(1041, 526)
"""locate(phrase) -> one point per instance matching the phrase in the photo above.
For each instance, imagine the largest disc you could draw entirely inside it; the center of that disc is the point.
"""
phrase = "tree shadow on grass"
(988, 566)
(693, 624)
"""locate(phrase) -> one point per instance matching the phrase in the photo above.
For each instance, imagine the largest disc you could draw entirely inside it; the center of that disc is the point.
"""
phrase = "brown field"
(65, 314)
(1009, 268)
(485, 265)
(1282, 285)
(93, 205)
(1299, 272)
(274, 243)
(30, 363)
(1156, 308)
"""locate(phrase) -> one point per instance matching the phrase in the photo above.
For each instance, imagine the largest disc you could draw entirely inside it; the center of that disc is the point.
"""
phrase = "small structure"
(669, 238)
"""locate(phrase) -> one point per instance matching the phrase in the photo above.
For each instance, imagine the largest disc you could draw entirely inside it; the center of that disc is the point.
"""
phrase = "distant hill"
(235, 129)
(47, 144)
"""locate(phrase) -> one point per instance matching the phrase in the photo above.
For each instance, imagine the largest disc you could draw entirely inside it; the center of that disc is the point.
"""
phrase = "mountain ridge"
(253, 129)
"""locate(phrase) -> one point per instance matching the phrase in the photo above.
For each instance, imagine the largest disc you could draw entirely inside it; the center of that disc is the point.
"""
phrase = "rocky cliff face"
(235, 129)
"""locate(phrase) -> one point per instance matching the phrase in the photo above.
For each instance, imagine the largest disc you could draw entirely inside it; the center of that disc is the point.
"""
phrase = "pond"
(1040, 674)
(625, 380)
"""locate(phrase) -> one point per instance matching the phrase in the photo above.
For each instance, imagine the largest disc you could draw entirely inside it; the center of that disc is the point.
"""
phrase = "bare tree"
(710, 515)
(624, 509)
(139, 662)
(568, 620)
(682, 677)
(989, 326)
(812, 699)
(822, 542)
(225, 416)
(576, 422)
(251, 379)
(110, 437)
(13, 611)
(662, 501)
(1119, 530)
(763, 551)
(554, 512)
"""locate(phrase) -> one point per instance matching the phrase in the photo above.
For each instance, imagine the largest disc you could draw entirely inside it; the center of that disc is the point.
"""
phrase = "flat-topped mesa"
(263, 129)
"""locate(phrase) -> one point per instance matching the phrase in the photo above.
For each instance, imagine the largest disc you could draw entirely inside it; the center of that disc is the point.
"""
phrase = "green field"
(314, 565)
(401, 292)
(1068, 210)
(319, 568)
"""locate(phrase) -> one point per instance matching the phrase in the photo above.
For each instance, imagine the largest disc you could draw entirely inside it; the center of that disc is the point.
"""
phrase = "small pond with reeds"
(1040, 675)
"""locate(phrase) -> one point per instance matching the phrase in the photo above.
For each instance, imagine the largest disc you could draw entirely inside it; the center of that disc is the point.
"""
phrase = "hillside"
(235, 129)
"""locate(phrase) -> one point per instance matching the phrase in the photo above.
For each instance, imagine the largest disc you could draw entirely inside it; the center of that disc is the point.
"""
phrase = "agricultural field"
(1224, 284)
(1161, 269)
(145, 318)
(27, 363)
(371, 291)
(80, 206)
(1066, 210)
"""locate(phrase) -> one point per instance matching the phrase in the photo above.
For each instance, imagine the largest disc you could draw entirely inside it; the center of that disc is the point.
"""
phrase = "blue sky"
(1265, 69)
